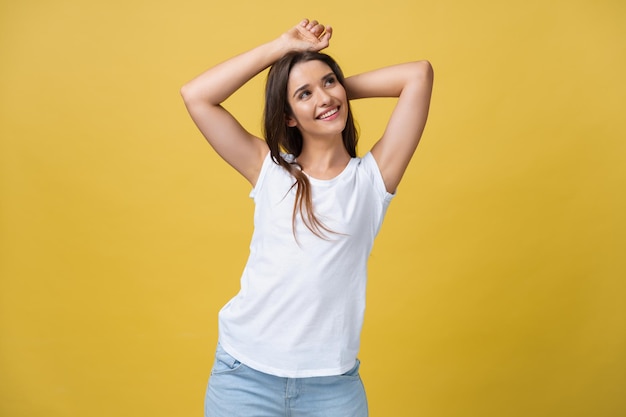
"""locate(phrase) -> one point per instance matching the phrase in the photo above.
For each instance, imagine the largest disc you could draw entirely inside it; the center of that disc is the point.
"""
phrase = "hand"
(308, 36)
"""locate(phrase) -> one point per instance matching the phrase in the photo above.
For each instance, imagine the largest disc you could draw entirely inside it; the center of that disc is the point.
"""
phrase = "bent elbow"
(186, 93)
(424, 70)
(192, 97)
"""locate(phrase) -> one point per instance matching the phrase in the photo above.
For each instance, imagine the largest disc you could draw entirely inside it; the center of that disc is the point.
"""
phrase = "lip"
(332, 116)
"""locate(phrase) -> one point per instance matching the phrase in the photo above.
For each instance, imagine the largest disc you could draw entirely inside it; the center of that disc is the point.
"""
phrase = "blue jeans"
(236, 390)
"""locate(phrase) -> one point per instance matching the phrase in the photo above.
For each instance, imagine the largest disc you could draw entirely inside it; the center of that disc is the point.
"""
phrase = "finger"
(304, 22)
(312, 24)
(328, 34)
(324, 40)
(317, 30)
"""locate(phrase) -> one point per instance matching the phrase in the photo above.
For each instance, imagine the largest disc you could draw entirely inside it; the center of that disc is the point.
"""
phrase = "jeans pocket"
(224, 362)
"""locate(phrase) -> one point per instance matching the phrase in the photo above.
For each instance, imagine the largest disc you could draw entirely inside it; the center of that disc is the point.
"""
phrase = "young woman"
(288, 341)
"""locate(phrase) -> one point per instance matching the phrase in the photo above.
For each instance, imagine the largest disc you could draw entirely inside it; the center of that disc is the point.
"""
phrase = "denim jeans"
(236, 390)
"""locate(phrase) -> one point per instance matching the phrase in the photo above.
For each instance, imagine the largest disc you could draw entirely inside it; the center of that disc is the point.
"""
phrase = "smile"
(328, 114)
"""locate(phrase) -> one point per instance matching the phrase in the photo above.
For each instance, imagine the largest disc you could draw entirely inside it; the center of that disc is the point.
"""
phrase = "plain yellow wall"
(497, 284)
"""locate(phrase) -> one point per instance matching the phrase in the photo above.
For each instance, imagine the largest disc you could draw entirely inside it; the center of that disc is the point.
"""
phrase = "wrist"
(275, 49)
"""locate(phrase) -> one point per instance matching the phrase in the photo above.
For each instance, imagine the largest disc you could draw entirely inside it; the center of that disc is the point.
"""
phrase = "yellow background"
(497, 284)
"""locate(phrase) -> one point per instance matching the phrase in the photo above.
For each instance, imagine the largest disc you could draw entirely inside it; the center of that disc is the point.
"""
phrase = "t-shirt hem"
(303, 373)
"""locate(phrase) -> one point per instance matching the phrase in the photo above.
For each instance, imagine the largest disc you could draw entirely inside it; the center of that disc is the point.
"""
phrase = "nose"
(323, 97)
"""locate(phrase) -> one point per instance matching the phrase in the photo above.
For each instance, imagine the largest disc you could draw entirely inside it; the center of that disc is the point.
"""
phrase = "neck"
(323, 158)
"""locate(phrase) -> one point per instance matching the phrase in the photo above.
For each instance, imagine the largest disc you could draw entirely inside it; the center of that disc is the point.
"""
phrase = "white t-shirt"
(300, 309)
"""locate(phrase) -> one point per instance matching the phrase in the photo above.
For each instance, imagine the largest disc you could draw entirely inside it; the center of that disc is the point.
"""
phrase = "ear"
(290, 121)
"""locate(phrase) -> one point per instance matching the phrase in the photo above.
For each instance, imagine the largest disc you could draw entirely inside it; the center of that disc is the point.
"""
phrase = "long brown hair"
(282, 138)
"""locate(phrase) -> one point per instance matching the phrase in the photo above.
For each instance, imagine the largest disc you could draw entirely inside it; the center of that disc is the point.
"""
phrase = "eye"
(330, 81)
(304, 94)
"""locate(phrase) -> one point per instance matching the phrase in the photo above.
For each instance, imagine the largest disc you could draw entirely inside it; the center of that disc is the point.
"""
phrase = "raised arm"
(204, 94)
(412, 83)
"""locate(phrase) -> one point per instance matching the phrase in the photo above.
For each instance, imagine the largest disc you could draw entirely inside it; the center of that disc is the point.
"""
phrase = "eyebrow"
(305, 86)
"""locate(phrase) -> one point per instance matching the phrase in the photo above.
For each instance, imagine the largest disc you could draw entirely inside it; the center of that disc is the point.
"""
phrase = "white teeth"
(328, 113)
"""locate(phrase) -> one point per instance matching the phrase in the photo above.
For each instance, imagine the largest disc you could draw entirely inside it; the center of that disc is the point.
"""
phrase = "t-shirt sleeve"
(267, 164)
(371, 167)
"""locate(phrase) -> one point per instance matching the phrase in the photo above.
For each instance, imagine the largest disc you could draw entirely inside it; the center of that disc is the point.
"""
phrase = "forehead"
(307, 72)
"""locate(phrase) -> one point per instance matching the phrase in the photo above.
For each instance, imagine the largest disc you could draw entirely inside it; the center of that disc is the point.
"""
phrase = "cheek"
(300, 109)
(343, 95)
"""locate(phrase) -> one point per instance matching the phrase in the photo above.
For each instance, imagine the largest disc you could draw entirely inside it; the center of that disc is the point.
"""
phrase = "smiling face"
(317, 100)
